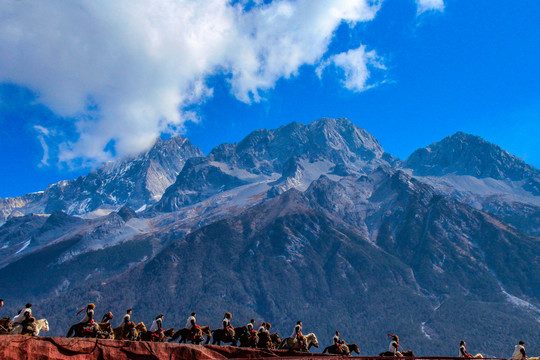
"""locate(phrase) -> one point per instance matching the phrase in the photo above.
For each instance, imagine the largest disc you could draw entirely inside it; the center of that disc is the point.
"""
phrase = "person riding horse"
(394, 345)
(463, 350)
(229, 329)
(519, 352)
(297, 333)
(191, 325)
(157, 327)
(125, 321)
(338, 341)
(23, 316)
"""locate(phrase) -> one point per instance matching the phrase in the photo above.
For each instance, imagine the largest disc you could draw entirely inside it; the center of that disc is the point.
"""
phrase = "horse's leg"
(325, 349)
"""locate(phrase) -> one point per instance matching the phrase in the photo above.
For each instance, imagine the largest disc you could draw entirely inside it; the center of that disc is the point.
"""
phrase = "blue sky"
(469, 66)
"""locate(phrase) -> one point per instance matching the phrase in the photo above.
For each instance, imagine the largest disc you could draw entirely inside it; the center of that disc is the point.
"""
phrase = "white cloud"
(355, 65)
(125, 70)
(427, 5)
(42, 133)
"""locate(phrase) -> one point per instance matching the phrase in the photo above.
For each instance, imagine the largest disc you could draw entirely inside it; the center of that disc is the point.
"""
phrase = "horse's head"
(168, 332)
(141, 327)
(312, 340)
(354, 347)
(45, 325)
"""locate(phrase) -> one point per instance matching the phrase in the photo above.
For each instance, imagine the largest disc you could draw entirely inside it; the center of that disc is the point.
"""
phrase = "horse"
(408, 353)
(249, 339)
(265, 341)
(293, 344)
(41, 324)
(106, 330)
(185, 335)
(276, 340)
(5, 326)
(346, 349)
(145, 335)
(220, 335)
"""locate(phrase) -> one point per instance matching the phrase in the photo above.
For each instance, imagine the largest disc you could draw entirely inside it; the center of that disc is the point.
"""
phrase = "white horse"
(41, 324)
(293, 344)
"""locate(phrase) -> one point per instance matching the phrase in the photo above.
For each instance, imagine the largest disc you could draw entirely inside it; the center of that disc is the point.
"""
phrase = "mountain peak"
(466, 154)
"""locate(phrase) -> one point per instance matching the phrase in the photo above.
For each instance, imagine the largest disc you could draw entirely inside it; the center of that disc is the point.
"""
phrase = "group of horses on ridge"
(243, 337)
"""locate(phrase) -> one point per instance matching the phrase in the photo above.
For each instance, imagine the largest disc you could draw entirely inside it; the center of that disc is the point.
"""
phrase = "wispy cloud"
(356, 66)
(125, 70)
(42, 133)
(427, 5)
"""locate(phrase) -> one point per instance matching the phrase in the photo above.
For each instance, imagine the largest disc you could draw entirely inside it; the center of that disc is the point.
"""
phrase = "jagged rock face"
(266, 151)
(465, 154)
(135, 182)
(300, 153)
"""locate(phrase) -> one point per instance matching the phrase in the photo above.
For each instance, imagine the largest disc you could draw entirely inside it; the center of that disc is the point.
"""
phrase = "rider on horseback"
(394, 345)
(251, 329)
(125, 321)
(157, 327)
(297, 333)
(338, 342)
(227, 325)
(191, 325)
(519, 352)
(23, 316)
(262, 328)
(88, 320)
(463, 350)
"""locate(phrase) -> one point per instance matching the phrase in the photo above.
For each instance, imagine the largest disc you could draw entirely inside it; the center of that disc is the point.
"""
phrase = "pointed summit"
(465, 154)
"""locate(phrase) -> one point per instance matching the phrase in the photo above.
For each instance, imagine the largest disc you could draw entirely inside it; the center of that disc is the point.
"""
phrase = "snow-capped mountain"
(482, 175)
(305, 222)
(136, 182)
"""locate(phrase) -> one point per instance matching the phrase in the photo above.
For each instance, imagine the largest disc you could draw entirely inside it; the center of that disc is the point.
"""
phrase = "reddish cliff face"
(45, 348)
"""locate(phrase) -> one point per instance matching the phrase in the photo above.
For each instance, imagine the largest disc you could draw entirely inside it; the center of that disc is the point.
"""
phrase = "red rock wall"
(19, 347)
(45, 348)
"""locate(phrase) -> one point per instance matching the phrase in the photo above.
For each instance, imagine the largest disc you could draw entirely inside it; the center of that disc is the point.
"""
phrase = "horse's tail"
(324, 351)
(70, 331)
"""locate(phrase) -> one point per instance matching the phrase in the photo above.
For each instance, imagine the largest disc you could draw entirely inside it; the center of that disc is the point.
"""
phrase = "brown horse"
(268, 341)
(153, 337)
(222, 335)
(5, 326)
(186, 334)
(249, 339)
(408, 353)
(345, 349)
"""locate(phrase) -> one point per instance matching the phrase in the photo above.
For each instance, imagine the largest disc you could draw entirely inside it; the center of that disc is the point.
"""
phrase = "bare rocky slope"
(306, 222)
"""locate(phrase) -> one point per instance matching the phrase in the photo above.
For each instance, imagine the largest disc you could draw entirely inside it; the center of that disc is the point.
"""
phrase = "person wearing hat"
(519, 352)
(394, 345)
(125, 321)
(89, 317)
(463, 350)
(157, 327)
(227, 325)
